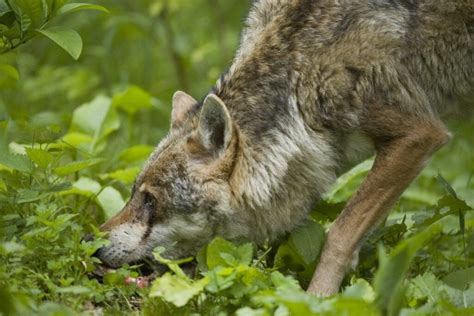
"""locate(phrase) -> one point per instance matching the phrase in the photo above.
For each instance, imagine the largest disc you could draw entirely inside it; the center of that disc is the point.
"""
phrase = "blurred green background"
(160, 46)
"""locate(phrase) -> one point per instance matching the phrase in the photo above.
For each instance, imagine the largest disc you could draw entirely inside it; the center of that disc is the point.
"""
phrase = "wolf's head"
(182, 197)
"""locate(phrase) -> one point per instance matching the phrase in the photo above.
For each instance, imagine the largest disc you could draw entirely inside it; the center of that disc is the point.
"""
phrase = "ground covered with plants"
(85, 95)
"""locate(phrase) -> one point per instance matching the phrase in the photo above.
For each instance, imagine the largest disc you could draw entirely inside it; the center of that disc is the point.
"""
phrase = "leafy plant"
(21, 20)
(73, 136)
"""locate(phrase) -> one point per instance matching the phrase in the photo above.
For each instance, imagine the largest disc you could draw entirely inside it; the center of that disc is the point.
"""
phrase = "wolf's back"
(414, 53)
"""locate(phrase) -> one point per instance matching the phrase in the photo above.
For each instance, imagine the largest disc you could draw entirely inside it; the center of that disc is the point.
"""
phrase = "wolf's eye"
(149, 201)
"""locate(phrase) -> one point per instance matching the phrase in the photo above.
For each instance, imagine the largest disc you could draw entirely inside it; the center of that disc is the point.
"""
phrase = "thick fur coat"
(315, 86)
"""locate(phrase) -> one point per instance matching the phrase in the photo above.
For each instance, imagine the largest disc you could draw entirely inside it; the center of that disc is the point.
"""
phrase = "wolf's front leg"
(404, 143)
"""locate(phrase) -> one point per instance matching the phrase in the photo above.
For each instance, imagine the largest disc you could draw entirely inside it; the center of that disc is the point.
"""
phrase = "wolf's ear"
(215, 126)
(182, 103)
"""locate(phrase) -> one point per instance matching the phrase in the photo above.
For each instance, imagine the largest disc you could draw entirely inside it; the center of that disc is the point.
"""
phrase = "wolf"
(315, 87)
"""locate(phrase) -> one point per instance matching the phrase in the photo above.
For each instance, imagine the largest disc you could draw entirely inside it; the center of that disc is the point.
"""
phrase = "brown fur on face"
(315, 86)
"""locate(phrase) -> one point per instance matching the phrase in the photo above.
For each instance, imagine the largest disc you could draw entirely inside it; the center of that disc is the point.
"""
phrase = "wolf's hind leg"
(404, 143)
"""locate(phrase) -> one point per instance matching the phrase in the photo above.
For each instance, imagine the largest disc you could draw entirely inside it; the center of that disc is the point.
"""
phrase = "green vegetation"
(73, 135)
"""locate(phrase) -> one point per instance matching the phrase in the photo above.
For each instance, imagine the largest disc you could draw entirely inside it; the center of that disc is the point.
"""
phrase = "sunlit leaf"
(73, 7)
(132, 100)
(177, 290)
(136, 153)
(111, 201)
(76, 166)
(69, 40)
(126, 175)
(15, 162)
(349, 177)
(218, 247)
(97, 119)
(39, 156)
(308, 240)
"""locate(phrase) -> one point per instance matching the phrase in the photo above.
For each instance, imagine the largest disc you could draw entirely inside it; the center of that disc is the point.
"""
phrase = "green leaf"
(40, 157)
(77, 166)
(126, 175)
(11, 161)
(176, 290)
(69, 40)
(460, 279)
(308, 240)
(29, 13)
(108, 198)
(360, 288)
(87, 185)
(111, 201)
(221, 252)
(136, 153)
(132, 100)
(343, 181)
(4, 7)
(388, 279)
(77, 139)
(445, 184)
(74, 289)
(73, 7)
(96, 118)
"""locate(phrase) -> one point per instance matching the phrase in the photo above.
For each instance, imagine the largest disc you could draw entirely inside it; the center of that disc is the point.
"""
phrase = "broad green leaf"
(29, 13)
(422, 287)
(69, 40)
(136, 153)
(111, 201)
(220, 252)
(97, 119)
(460, 279)
(77, 139)
(108, 198)
(126, 175)
(11, 161)
(360, 288)
(27, 196)
(308, 240)
(88, 185)
(132, 100)
(176, 290)
(40, 157)
(445, 184)
(346, 306)
(73, 7)
(343, 181)
(438, 296)
(77, 166)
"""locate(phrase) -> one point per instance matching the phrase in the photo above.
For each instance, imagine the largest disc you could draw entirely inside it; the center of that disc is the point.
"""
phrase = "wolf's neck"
(282, 166)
